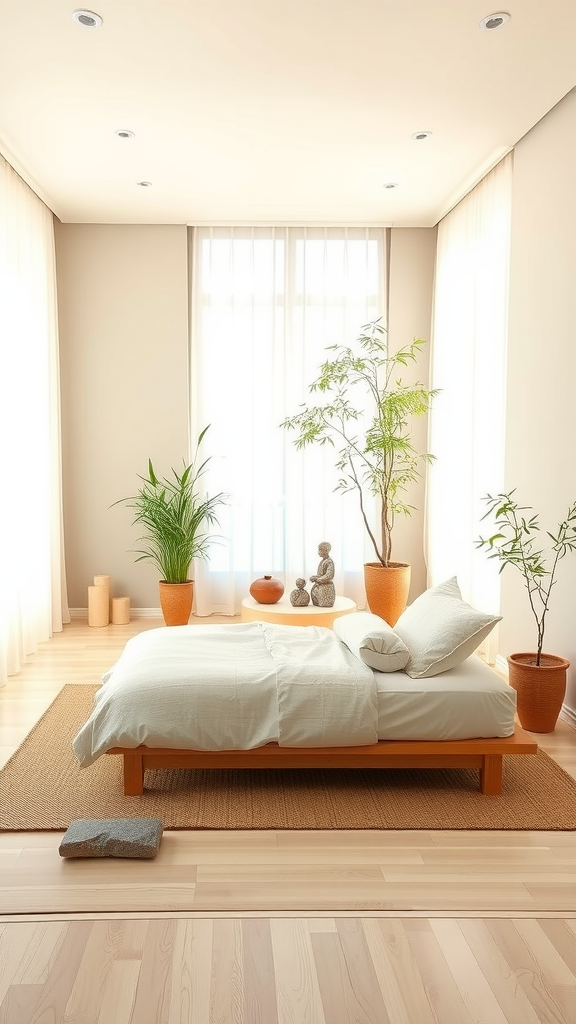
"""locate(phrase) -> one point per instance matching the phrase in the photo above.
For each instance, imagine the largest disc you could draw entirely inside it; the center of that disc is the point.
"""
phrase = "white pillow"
(372, 640)
(441, 630)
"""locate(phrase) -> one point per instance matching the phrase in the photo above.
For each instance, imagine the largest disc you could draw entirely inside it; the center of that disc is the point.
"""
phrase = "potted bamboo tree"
(366, 415)
(175, 515)
(538, 678)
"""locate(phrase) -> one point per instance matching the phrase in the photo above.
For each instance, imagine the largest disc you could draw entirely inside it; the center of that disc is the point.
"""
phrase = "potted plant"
(539, 679)
(175, 516)
(366, 416)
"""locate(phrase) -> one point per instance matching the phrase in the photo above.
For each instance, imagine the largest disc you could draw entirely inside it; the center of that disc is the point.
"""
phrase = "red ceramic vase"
(267, 590)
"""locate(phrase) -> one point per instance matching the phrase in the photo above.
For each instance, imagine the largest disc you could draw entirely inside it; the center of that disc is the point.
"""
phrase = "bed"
(261, 695)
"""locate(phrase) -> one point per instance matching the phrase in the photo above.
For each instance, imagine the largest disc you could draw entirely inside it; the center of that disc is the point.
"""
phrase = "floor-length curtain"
(265, 303)
(467, 420)
(33, 600)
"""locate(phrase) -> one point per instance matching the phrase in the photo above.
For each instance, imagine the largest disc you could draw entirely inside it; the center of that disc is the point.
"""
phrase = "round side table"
(284, 614)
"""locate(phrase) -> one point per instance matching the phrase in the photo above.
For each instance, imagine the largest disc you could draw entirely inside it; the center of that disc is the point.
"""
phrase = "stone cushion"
(112, 837)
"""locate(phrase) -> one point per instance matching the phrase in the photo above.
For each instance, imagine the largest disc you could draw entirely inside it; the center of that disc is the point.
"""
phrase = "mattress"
(466, 702)
(232, 687)
(244, 685)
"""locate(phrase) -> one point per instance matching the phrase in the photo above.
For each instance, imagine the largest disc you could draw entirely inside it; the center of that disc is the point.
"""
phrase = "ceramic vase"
(387, 589)
(176, 602)
(267, 590)
(540, 689)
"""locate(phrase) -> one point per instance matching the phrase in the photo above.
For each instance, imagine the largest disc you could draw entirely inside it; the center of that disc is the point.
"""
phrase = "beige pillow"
(372, 640)
(441, 630)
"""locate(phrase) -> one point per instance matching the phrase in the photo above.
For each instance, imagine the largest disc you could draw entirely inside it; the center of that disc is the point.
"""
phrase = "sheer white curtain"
(467, 421)
(33, 599)
(265, 304)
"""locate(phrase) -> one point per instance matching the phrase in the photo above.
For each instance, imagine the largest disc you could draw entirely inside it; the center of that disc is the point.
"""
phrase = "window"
(32, 584)
(265, 304)
(469, 365)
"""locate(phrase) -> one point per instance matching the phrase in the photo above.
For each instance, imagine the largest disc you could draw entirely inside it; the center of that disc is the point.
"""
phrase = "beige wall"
(122, 298)
(541, 385)
(124, 353)
(122, 295)
(412, 258)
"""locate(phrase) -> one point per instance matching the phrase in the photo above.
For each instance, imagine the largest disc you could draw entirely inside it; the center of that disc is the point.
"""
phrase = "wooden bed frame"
(484, 754)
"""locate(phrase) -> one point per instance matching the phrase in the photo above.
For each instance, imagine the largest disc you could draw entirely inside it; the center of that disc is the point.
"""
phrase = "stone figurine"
(323, 593)
(300, 597)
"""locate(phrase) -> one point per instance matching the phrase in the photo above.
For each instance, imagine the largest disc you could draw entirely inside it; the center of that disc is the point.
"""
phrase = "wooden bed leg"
(491, 774)
(133, 775)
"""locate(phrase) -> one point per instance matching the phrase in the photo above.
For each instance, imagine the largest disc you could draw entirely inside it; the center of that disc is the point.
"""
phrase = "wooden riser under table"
(484, 754)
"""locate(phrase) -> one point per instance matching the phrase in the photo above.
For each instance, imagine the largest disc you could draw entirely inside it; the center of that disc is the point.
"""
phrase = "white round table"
(284, 614)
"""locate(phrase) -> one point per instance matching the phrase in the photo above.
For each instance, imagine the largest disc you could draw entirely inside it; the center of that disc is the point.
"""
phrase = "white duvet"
(232, 687)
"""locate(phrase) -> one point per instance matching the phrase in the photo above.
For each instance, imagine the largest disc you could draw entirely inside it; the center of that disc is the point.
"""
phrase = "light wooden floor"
(276, 971)
(275, 927)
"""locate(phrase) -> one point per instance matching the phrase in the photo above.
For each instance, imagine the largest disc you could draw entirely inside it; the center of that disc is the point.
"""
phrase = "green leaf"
(151, 474)
(382, 459)
(513, 546)
(175, 517)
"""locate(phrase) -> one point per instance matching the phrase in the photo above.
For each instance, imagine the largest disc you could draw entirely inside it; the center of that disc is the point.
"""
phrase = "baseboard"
(135, 613)
(568, 715)
(501, 665)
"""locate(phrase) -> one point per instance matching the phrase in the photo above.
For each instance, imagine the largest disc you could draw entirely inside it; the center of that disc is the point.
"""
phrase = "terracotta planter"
(267, 590)
(176, 601)
(387, 589)
(540, 689)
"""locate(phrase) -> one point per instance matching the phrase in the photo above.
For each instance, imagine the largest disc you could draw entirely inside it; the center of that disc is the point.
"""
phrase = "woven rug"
(42, 788)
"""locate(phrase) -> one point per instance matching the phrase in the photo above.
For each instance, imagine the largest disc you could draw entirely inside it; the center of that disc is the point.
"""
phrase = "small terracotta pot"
(540, 689)
(387, 589)
(267, 590)
(176, 601)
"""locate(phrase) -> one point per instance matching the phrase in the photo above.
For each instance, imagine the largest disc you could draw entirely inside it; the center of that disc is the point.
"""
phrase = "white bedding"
(232, 687)
(243, 685)
(463, 703)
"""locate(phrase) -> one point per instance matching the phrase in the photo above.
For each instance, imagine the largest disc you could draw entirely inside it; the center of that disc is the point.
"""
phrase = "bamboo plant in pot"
(175, 515)
(365, 415)
(538, 678)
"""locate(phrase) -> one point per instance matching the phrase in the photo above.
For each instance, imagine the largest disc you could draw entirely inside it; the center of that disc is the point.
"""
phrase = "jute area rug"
(42, 788)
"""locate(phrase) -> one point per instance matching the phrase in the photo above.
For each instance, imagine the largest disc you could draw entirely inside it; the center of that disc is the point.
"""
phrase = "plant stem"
(528, 577)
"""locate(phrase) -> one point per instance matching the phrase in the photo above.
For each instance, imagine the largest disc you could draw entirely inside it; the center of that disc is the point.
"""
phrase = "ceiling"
(273, 111)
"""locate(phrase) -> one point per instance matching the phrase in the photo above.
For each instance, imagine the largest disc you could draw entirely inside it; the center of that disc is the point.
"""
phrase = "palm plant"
(175, 516)
(380, 459)
(515, 544)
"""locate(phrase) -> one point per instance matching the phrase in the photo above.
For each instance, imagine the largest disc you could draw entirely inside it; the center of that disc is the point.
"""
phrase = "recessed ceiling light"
(391, 184)
(419, 136)
(144, 184)
(87, 18)
(124, 133)
(492, 21)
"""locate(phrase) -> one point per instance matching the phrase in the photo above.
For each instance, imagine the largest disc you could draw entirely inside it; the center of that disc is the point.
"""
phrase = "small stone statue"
(299, 598)
(323, 593)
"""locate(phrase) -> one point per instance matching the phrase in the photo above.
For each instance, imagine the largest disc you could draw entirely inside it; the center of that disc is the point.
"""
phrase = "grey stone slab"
(112, 837)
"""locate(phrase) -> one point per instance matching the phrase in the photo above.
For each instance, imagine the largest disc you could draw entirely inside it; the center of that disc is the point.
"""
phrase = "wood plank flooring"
(327, 970)
(272, 872)
(299, 872)
(280, 927)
